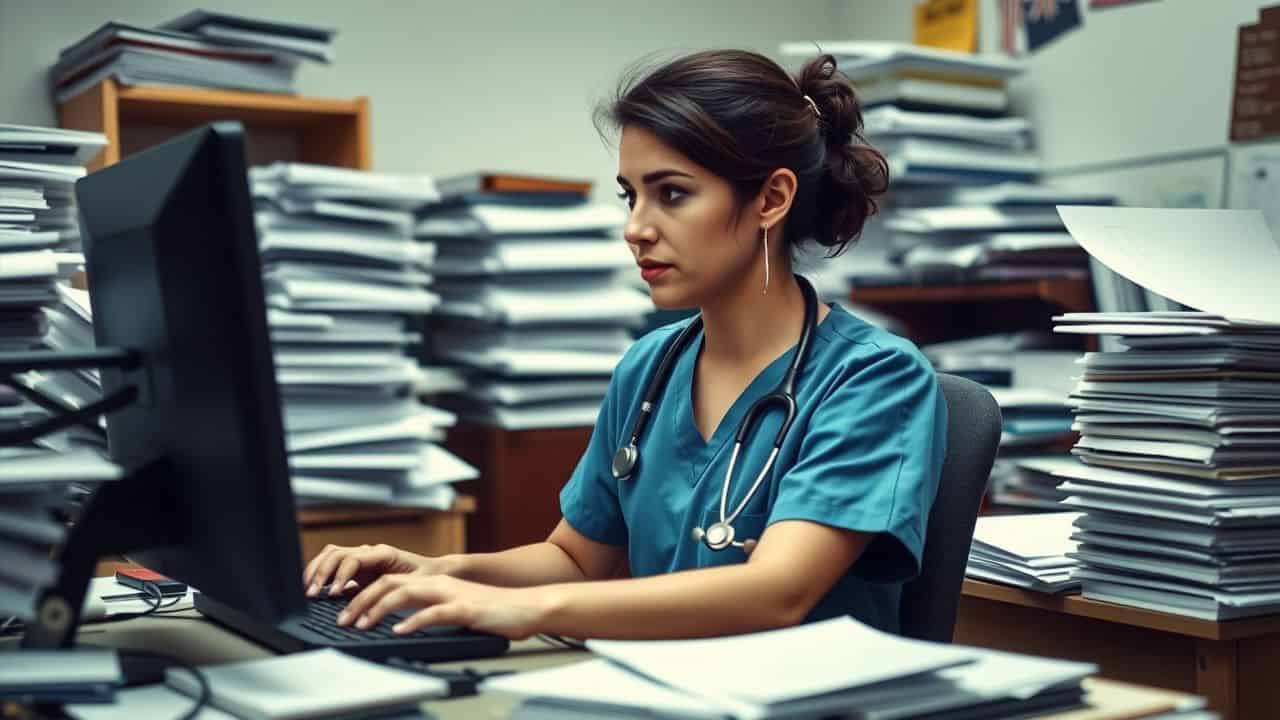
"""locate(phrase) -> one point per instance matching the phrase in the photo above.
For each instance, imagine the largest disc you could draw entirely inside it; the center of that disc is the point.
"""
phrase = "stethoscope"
(720, 535)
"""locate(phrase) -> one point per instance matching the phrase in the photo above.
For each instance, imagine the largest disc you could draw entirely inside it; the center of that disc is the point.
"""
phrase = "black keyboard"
(322, 619)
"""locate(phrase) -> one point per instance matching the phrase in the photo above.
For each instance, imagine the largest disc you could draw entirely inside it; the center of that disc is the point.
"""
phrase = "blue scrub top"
(865, 453)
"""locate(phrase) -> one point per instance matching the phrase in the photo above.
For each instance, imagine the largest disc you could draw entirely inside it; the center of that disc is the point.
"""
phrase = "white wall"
(454, 86)
(1133, 81)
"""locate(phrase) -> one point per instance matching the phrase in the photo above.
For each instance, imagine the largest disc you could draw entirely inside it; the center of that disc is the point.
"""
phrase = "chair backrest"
(929, 602)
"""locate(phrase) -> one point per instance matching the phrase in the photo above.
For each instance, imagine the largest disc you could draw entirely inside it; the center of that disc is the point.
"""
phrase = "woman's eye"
(671, 194)
(625, 196)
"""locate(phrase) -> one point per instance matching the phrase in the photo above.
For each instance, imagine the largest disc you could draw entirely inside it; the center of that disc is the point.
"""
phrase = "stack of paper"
(861, 672)
(343, 278)
(35, 484)
(201, 49)
(915, 77)
(532, 306)
(1026, 551)
(1008, 231)
(39, 250)
(1180, 430)
(962, 207)
(314, 684)
(1028, 481)
(67, 675)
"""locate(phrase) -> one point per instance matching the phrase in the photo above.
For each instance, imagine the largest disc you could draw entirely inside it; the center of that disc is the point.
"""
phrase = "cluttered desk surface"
(189, 636)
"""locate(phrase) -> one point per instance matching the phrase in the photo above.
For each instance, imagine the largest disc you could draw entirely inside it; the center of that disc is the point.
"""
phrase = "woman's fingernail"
(315, 588)
(343, 617)
(363, 622)
(399, 627)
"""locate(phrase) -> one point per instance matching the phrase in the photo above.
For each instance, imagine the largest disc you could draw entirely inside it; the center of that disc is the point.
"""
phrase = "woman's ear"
(776, 196)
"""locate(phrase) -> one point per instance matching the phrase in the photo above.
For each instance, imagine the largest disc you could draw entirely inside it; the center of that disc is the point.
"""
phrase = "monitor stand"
(117, 519)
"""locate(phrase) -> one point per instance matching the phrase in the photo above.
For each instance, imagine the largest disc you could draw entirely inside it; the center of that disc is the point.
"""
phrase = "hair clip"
(813, 105)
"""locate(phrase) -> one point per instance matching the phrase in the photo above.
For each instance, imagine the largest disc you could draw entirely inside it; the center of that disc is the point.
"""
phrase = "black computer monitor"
(172, 262)
(174, 278)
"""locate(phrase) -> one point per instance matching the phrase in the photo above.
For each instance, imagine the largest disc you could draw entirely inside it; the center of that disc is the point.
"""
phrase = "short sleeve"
(870, 461)
(589, 501)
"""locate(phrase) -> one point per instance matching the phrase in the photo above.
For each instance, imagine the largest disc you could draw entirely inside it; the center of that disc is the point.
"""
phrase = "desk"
(202, 642)
(1230, 663)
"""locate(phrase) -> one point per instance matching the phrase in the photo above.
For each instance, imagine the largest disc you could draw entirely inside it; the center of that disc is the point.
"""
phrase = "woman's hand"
(511, 612)
(337, 565)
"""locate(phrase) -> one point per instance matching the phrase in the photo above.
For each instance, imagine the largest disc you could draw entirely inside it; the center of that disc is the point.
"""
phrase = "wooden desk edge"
(1075, 604)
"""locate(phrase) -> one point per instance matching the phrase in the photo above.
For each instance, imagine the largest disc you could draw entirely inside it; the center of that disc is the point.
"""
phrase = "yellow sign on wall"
(948, 24)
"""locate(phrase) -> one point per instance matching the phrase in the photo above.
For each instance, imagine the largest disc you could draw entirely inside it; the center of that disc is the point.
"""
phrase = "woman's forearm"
(694, 603)
(541, 563)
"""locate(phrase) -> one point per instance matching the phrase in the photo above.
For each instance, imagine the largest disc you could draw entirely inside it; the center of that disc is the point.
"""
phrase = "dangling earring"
(765, 291)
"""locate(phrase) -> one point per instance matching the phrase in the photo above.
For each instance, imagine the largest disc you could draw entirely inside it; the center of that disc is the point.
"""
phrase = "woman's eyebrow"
(656, 175)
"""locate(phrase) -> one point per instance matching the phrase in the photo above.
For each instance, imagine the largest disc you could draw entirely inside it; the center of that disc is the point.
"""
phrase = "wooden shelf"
(1075, 604)
(279, 127)
(1071, 295)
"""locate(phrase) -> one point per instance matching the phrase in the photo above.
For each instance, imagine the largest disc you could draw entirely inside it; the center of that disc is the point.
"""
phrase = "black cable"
(201, 700)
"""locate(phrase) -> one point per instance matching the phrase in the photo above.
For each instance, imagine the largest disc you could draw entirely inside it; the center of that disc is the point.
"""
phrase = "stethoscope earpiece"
(720, 535)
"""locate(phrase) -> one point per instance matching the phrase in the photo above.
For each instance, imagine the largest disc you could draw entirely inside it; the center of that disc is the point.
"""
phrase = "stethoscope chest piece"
(624, 461)
(717, 537)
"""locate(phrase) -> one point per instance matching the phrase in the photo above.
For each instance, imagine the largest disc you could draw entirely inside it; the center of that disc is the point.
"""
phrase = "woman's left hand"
(444, 600)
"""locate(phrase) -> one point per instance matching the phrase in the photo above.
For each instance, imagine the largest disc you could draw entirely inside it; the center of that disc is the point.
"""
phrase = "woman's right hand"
(336, 565)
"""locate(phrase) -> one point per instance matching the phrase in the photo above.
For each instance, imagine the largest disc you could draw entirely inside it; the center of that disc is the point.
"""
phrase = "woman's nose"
(637, 231)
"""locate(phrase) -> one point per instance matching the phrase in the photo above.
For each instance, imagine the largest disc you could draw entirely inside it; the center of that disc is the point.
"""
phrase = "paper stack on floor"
(1026, 551)
(1180, 431)
(533, 308)
(343, 277)
(861, 672)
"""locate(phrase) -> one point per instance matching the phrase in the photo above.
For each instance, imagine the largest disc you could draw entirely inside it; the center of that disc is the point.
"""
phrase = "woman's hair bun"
(854, 173)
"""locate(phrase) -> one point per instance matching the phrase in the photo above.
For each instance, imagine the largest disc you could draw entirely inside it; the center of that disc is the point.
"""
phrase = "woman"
(725, 162)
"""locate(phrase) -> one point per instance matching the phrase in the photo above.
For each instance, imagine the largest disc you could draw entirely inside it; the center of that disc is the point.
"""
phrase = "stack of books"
(533, 307)
(199, 49)
(344, 280)
(1032, 552)
(862, 673)
(1180, 429)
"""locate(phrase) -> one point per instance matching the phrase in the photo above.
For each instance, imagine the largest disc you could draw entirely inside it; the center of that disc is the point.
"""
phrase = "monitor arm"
(117, 519)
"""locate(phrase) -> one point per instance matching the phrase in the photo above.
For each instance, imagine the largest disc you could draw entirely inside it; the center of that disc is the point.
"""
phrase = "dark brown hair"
(741, 116)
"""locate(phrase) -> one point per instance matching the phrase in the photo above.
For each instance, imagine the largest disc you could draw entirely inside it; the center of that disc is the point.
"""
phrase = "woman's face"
(689, 240)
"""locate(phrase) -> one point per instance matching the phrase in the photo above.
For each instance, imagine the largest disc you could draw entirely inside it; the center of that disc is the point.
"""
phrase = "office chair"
(929, 602)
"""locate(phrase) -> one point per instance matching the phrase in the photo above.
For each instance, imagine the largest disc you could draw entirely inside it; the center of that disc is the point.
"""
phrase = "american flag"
(1011, 11)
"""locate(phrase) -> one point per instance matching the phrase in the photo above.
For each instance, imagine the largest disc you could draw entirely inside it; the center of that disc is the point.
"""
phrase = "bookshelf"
(933, 313)
(277, 128)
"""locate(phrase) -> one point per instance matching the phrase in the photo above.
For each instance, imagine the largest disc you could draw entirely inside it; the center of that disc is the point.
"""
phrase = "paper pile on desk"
(1026, 551)
(39, 250)
(1180, 431)
(831, 668)
(344, 282)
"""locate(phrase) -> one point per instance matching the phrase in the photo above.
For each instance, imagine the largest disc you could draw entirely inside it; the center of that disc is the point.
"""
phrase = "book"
(493, 182)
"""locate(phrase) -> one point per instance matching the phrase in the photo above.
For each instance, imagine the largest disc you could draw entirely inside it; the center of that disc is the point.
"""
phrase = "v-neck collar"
(701, 452)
